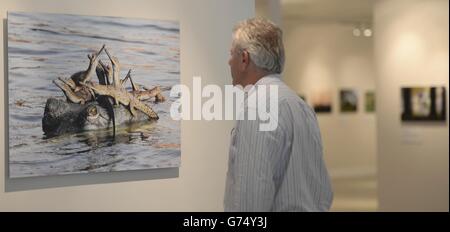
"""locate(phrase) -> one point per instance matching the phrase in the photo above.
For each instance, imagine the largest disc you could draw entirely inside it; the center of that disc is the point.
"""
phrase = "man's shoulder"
(291, 104)
(286, 97)
(284, 91)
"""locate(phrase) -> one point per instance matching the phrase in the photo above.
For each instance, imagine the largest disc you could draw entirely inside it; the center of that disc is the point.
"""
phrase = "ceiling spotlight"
(356, 32)
(367, 32)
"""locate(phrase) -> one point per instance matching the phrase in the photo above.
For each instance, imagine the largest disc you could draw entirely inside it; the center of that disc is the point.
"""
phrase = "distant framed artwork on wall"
(348, 100)
(423, 104)
(369, 101)
(321, 101)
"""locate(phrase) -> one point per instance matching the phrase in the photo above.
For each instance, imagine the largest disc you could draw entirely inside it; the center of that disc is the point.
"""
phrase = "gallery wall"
(198, 185)
(411, 49)
(325, 56)
(269, 9)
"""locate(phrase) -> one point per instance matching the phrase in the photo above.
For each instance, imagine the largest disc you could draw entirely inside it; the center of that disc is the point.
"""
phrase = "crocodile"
(72, 88)
(125, 98)
(88, 104)
(84, 76)
(115, 70)
(62, 117)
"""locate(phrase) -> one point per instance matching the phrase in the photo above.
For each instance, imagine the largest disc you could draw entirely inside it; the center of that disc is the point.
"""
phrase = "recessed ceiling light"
(367, 32)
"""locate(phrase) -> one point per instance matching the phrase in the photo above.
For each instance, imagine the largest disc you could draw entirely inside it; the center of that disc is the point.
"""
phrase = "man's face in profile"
(234, 64)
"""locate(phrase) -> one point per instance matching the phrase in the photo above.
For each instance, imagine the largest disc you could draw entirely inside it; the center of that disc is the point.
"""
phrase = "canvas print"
(349, 100)
(91, 94)
(370, 101)
(321, 101)
(424, 104)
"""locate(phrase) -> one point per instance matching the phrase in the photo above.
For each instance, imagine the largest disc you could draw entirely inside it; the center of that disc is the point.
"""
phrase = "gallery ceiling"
(329, 10)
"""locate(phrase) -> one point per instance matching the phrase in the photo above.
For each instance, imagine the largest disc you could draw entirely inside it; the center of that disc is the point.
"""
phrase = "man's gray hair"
(263, 40)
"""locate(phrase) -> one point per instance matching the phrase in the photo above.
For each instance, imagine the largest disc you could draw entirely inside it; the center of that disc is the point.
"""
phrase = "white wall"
(270, 9)
(199, 184)
(325, 55)
(411, 48)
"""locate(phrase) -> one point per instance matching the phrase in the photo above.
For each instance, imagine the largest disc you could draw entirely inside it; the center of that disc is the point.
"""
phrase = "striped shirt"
(279, 170)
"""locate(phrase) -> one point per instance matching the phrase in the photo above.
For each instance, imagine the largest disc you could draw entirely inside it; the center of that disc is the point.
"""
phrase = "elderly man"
(282, 169)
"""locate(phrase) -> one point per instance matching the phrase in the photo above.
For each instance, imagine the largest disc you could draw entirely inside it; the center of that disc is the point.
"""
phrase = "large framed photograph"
(424, 104)
(91, 94)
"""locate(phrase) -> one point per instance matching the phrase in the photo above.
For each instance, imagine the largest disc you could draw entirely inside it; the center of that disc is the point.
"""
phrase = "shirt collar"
(265, 80)
(268, 79)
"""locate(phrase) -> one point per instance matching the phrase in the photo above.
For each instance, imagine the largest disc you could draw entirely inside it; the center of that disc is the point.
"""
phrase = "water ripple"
(29, 51)
(85, 35)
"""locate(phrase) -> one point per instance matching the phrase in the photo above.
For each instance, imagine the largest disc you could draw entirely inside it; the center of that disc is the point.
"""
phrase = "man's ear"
(245, 58)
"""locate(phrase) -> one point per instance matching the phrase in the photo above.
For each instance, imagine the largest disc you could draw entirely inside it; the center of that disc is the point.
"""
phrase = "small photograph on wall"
(321, 101)
(424, 104)
(349, 100)
(370, 101)
(90, 94)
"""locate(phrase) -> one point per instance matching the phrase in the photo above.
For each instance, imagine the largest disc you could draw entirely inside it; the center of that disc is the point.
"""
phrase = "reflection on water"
(42, 47)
